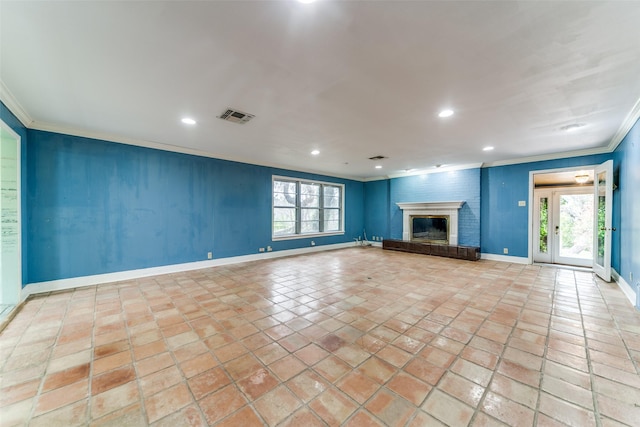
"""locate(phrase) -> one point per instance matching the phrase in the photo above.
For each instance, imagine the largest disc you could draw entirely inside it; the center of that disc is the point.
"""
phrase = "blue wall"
(504, 223)
(627, 243)
(12, 121)
(98, 207)
(462, 185)
(376, 208)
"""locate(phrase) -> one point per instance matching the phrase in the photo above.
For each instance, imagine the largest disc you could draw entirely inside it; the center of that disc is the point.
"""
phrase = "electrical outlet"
(374, 238)
(313, 243)
(269, 248)
(261, 250)
(209, 255)
(505, 251)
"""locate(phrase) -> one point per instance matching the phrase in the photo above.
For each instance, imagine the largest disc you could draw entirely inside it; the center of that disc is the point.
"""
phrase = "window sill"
(306, 236)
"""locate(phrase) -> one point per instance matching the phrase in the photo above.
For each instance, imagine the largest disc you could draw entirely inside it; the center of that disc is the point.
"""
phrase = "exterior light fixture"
(581, 178)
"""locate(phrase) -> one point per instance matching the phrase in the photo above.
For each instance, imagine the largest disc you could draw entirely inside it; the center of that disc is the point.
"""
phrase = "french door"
(564, 226)
(603, 194)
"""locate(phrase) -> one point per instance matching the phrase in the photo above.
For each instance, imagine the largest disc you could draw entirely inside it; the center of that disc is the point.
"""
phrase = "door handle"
(557, 229)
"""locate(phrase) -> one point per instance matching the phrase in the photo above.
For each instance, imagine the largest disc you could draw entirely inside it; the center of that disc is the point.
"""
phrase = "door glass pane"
(602, 178)
(543, 247)
(576, 226)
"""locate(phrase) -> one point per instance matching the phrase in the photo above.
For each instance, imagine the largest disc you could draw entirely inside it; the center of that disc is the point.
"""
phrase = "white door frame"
(532, 174)
(11, 281)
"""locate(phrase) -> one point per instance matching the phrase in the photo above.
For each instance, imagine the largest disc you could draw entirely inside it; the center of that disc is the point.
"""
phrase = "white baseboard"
(119, 276)
(624, 286)
(505, 258)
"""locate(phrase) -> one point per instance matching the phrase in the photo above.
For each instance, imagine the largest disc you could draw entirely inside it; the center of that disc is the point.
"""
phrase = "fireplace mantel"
(431, 208)
(430, 205)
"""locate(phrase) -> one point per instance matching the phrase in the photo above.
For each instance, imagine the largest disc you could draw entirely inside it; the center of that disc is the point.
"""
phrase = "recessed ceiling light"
(188, 121)
(378, 166)
(315, 152)
(573, 127)
(445, 113)
(487, 148)
(306, 1)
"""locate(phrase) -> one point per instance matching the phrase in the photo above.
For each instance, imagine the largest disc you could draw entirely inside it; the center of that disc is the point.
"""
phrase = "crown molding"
(545, 157)
(14, 106)
(625, 127)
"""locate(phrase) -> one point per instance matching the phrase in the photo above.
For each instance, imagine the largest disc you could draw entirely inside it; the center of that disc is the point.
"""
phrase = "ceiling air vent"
(377, 157)
(235, 116)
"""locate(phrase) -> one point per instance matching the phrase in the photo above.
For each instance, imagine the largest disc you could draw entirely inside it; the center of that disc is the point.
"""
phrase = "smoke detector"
(235, 116)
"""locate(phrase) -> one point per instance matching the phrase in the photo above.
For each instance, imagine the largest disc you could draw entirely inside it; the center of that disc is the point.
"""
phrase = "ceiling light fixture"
(487, 148)
(315, 152)
(582, 178)
(573, 127)
(445, 113)
(188, 121)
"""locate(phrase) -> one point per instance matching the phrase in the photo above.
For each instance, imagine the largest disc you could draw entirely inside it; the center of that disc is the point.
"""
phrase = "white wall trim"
(624, 286)
(546, 157)
(119, 276)
(14, 106)
(625, 127)
(505, 258)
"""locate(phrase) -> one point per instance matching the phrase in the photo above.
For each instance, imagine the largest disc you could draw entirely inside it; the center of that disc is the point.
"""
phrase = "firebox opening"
(430, 228)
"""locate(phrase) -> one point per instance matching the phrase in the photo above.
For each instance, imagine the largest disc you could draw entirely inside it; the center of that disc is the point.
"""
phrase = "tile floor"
(356, 337)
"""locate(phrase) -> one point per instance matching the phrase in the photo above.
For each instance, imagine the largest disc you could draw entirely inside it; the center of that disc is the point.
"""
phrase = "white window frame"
(300, 235)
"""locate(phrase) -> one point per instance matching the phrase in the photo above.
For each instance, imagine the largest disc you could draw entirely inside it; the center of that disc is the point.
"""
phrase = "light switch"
(522, 203)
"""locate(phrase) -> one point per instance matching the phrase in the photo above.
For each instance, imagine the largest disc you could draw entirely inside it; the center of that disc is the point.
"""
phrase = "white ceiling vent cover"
(235, 116)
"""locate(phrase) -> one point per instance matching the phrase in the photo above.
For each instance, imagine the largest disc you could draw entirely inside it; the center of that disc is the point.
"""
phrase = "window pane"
(331, 196)
(331, 202)
(282, 228)
(331, 225)
(309, 195)
(310, 226)
(284, 193)
(310, 220)
(331, 220)
(331, 214)
(310, 214)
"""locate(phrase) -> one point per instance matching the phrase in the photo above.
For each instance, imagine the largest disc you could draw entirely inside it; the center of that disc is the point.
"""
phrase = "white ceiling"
(353, 79)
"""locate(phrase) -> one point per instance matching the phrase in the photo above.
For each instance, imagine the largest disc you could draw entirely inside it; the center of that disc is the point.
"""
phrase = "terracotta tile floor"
(356, 337)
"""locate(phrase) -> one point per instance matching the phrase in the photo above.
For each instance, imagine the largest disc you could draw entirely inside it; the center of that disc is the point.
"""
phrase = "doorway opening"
(563, 216)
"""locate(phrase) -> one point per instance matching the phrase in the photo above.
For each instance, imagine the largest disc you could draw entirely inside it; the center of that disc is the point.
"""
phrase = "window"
(306, 208)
